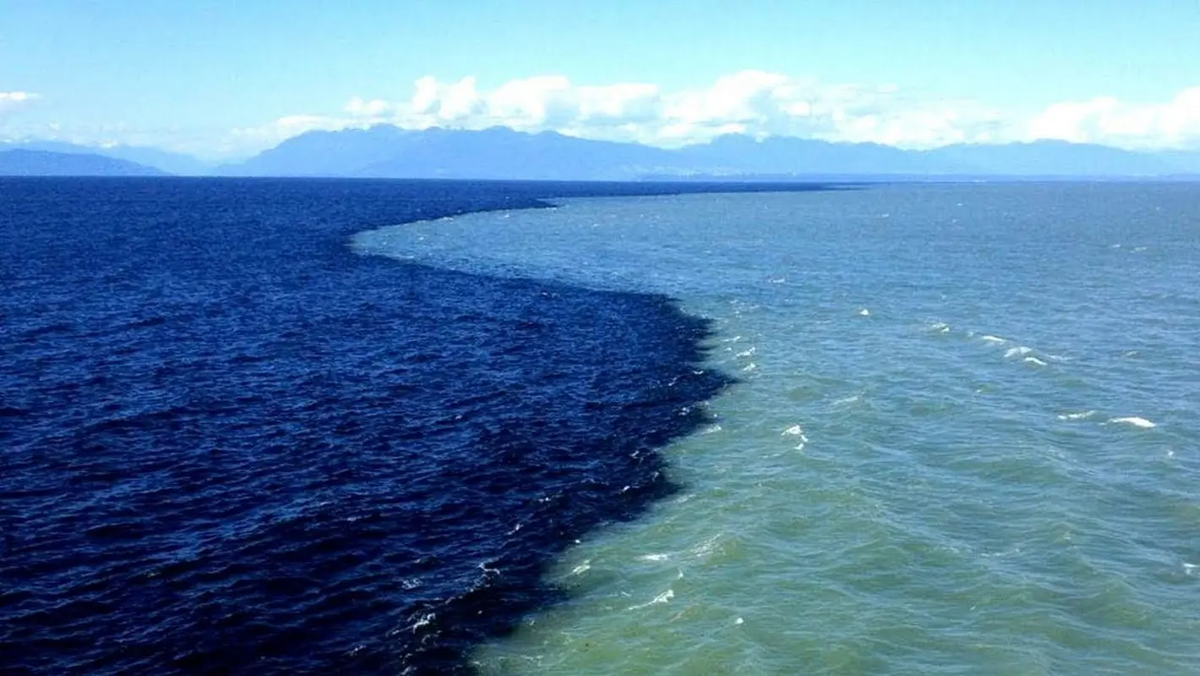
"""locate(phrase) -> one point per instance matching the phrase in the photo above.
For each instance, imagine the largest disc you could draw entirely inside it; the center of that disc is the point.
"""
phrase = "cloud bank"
(1173, 124)
(753, 102)
(14, 100)
(757, 103)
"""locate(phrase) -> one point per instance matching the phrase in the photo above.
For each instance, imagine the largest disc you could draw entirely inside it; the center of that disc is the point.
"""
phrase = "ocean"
(400, 427)
(231, 444)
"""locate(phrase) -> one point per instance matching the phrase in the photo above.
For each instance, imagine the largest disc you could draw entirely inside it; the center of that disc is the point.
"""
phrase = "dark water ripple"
(232, 446)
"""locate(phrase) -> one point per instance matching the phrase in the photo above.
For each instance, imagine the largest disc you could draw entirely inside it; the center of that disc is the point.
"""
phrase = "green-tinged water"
(965, 437)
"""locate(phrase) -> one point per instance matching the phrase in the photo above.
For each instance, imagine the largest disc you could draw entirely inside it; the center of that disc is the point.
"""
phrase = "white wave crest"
(798, 432)
(794, 431)
(661, 598)
(1136, 421)
(1081, 415)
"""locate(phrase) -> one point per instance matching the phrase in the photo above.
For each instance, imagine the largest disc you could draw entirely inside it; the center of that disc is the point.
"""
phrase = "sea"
(402, 427)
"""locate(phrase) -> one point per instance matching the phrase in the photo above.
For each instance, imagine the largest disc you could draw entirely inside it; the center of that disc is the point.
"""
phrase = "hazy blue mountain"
(1051, 158)
(385, 151)
(1186, 161)
(325, 153)
(737, 154)
(43, 163)
(166, 161)
(501, 153)
(178, 164)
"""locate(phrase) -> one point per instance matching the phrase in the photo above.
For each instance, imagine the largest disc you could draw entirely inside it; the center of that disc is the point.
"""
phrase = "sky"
(225, 78)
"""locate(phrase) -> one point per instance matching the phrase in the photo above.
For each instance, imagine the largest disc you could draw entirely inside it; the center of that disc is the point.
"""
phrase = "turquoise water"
(965, 437)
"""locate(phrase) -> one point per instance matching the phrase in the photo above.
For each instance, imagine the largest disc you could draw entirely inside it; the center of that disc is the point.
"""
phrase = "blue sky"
(225, 77)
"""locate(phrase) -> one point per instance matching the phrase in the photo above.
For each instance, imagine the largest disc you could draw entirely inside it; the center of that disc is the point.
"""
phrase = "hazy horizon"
(224, 81)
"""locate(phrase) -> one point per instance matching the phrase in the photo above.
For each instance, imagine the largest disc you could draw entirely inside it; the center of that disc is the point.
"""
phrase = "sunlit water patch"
(964, 438)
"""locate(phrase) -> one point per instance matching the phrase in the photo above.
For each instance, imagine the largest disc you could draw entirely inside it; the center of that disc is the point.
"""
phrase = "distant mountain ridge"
(165, 161)
(384, 151)
(45, 163)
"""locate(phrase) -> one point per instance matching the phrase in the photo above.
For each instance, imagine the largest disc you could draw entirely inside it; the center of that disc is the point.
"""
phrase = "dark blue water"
(232, 445)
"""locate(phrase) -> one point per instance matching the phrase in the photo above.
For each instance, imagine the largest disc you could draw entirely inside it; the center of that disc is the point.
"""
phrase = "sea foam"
(1135, 421)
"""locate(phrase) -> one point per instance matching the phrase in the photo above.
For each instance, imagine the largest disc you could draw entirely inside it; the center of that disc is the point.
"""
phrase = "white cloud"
(268, 135)
(751, 102)
(373, 108)
(1106, 120)
(14, 100)
(619, 104)
(754, 102)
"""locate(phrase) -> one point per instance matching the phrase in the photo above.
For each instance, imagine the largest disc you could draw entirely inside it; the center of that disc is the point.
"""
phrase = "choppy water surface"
(965, 437)
(230, 444)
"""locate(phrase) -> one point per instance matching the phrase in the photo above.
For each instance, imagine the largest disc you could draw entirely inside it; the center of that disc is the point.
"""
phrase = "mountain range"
(178, 164)
(43, 163)
(385, 151)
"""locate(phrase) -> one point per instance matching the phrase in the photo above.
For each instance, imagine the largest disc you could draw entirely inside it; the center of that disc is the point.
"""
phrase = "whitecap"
(750, 367)
(425, 620)
(654, 557)
(992, 339)
(746, 353)
(707, 547)
(795, 431)
(864, 313)
(1034, 360)
(1018, 351)
(1133, 420)
(661, 598)
(1081, 415)
(581, 568)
